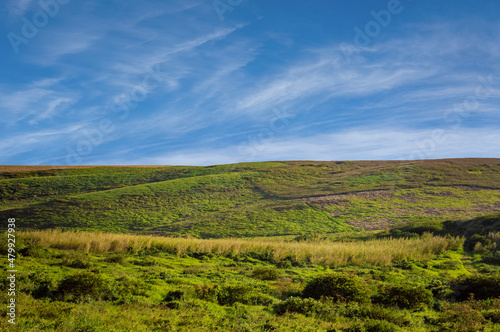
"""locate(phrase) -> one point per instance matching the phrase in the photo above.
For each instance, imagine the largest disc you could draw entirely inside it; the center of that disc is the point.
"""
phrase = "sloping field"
(251, 199)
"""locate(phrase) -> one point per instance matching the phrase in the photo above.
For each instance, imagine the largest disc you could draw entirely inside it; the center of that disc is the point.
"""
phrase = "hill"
(251, 199)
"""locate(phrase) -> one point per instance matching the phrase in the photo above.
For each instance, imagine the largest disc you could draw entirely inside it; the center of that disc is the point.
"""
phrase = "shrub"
(257, 298)
(404, 296)
(284, 264)
(44, 285)
(482, 286)
(438, 288)
(44, 288)
(118, 259)
(449, 265)
(34, 250)
(379, 326)
(207, 292)
(77, 263)
(229, 295)
(299, 305)
(265, 273)
(124, 289)
(493, 316)
(75, 260)
(339, 287)
(148, 261)
(173, 298)
(82, 285)
(460, 317)
(374, 312)
(470, 243)
(492, 257)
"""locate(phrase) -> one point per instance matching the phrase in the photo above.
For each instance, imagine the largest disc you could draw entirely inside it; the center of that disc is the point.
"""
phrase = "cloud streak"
(221, 83)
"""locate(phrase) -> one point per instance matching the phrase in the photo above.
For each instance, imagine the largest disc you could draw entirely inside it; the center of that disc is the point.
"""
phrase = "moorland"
(269, 246)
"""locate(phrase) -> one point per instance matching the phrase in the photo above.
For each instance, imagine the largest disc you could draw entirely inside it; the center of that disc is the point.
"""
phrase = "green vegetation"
(272, 246)
(253, 199)
(338, 287)
(77, 281)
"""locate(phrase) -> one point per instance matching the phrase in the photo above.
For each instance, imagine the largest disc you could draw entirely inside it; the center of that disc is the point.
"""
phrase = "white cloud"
(18, 8)
(352, 144)
(34, 141)
(38, 101)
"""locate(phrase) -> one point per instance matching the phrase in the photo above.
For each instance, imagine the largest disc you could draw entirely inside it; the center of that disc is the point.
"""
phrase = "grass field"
(271, 246)
(255, 199)
(78, 281)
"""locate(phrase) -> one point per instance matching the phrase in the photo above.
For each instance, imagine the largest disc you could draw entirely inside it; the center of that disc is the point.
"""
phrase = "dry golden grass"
(373, 252)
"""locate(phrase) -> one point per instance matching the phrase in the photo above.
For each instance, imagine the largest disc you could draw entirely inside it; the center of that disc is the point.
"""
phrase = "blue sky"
(203, 82)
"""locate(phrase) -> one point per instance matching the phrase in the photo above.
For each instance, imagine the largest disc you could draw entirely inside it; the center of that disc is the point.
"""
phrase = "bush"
(379, 326)
(471, 242)
(75, 260)
(375, 312)
(118, 259)
(449, 265)
(77, 263)
(284, 264)
(461, 317)
(82, 285)
(124, 289)
(265, 273)
(33, 250)
(44, 285)
(492, 257)
(299, 305)
(482, 286)
(207, 292)
(339, 287)
(257, 298)
(404, 296)
(438, 288)
(173, 298)
(229, 295)
(44, 289)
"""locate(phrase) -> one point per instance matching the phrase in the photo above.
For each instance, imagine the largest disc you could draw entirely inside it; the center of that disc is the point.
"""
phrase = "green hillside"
(252, 199)
(274, 246)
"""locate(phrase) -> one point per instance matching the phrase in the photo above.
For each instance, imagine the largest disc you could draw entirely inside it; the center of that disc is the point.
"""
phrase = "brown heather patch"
(376, 225)
(344, 197)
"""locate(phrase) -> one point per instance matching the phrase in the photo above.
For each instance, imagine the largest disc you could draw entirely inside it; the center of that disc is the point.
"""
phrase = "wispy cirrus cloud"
(38, 101)
(36, 142)
(221, 82)
(18, 8)
(353, 144)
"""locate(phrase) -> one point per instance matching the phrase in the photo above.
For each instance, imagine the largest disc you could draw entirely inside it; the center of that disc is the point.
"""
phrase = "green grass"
(245, 240)
(155, 284)
(252, 199)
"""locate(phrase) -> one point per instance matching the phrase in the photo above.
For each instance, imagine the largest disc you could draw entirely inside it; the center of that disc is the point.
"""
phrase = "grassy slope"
(254, 199)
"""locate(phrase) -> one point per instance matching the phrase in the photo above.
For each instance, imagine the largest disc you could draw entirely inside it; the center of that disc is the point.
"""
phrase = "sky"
(203, 82)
